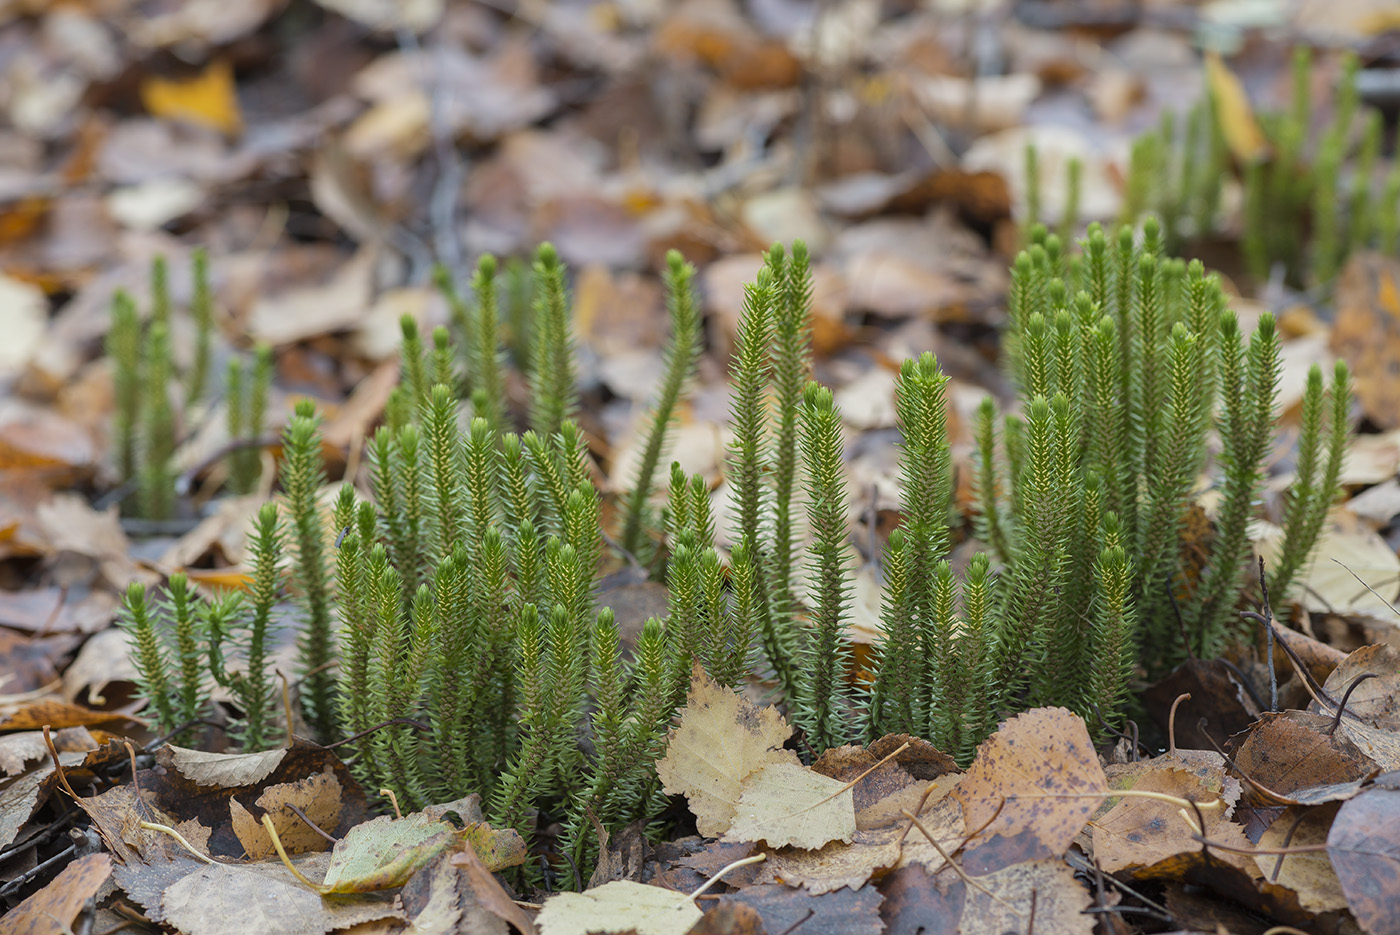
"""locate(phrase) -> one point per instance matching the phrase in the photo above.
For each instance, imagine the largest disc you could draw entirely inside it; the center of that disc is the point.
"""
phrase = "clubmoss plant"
(681, 355)
(302, 477)
(476, 649)
(246, 409)
(1310, 200)
(146, 419)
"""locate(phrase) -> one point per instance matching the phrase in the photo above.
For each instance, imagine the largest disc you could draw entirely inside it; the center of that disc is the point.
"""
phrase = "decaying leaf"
(487, 891)
(1033, 785)
(870, 853)
(720, 741)
(318, 798)
(620, 906)
(1309, 874)
(52, 909)
(1293, 756)
(1141, 832)
(232, 899)
(1364, 844)
(1043, 888)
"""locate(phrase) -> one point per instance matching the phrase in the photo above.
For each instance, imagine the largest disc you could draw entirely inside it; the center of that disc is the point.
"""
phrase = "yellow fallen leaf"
(1237, 123)
(619, 906)
(208, 100)
(721, 739)
(789, 804)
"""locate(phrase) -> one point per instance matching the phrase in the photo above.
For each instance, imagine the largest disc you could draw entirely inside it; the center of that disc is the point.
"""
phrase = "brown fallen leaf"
(919, 904)
(1137, 832)
(51, 910)
(17, 750)
(730, 918)
(1292, 755)
(783, 909)
(489, 893)
(1375, 700)
(1031, 788)
(233, 899)
(21, 797)
(720, 741)
(1364, 844)
(318, 798)
(54, 713)
(1043, 890)
(883, 794)
(870, 853)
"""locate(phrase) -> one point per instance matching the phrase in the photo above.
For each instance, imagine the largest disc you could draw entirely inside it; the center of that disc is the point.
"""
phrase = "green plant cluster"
(461, 603)
(146, 420)
(1311, 198)
(180, 640)
(467, 590)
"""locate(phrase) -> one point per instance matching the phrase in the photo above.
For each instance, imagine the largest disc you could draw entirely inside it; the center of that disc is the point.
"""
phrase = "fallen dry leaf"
(51, 910)
(788, 804)
(17, 750)
(208, 100)
(1031, 788)
(232, 899)
(1043, 889)
(1138, 832)
(1364, 844)
(1292, 755)
(488, 891)
(1310, 875)
(318, 797)
(620, 906)
(720, 741)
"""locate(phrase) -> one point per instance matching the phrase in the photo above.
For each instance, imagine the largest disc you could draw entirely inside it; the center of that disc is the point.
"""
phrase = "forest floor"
(328, 154)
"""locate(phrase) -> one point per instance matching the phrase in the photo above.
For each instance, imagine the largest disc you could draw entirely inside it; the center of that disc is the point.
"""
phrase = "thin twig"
(1341, 708)
(309, 823)
(962, 874)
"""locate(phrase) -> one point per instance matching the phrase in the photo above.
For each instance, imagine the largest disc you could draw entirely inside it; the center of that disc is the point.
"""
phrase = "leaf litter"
(304, 149)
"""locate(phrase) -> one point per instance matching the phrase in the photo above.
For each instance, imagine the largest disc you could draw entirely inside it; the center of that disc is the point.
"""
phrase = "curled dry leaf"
(1033, 785)
(1292, 755)
(721, 740)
